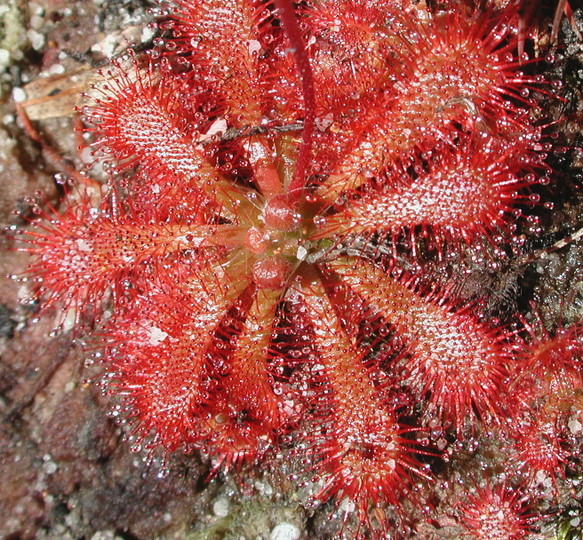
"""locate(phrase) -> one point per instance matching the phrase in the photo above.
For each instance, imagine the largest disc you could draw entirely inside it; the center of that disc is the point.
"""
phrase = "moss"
(12, 30)
(252, 517)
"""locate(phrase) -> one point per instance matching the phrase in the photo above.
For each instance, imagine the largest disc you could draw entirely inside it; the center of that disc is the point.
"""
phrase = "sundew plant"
(271, 165)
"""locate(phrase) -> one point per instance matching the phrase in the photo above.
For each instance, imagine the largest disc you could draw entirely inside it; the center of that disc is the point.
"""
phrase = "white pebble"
(106, 47)
(37, 40)
(18, 94)
(285, 531)
(4, 58)
(37, 22)
(575, 426)
(55, 69)
(148, 33)
(221, 507)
